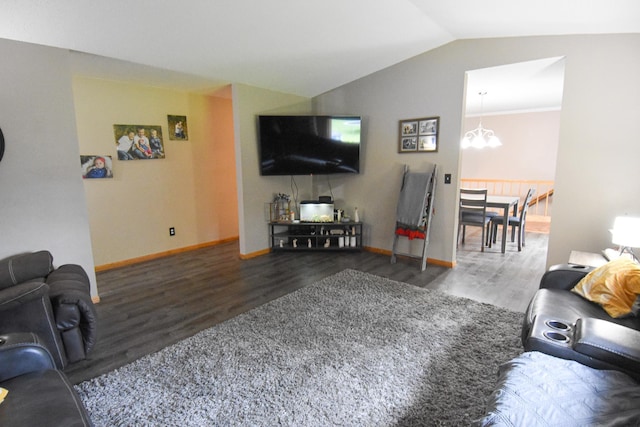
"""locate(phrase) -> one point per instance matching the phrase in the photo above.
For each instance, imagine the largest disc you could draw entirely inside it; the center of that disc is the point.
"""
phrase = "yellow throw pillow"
(615, 286)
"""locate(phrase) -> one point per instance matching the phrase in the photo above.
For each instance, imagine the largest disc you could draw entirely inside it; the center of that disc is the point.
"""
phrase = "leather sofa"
(54, 303)
(38, 393)
(580, 366)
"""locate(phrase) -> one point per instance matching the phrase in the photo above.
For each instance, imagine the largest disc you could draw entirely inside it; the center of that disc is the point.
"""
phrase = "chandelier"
(480, 137)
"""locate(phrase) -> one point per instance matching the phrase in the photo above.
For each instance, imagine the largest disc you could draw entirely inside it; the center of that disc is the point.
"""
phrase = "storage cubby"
(325, 236)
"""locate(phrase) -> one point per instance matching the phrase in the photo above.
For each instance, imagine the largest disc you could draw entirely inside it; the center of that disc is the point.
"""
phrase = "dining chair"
(473, 212)
(516, 222)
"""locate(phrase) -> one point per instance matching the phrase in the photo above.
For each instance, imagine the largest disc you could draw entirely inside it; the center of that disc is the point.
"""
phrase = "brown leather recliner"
(54, 303)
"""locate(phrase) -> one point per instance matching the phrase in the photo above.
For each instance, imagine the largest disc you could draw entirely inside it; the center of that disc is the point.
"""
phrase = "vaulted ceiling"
(294, 46)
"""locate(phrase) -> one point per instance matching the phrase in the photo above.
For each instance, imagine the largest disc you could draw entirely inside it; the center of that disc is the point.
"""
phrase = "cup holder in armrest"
(550, 335)
(578, 266)
(556, 336)
(557, 325)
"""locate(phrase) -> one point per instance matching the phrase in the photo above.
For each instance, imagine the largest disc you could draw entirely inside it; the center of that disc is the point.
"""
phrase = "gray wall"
(43, 204)
(529, 147)
(596, 176)
(254, 190)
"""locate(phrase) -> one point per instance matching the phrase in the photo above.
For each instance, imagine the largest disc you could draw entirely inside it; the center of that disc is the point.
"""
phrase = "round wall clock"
(1, 144)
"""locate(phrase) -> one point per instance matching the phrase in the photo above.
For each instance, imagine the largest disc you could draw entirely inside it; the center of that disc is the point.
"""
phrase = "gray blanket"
(411, 204)
(535, 389)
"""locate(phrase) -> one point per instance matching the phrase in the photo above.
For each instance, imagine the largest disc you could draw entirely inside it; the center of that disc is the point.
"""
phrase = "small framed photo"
(427, 143)
(419, 135)
(429, 126)
(178, 128)
(96, 166)
(408, 143)
(408, 128)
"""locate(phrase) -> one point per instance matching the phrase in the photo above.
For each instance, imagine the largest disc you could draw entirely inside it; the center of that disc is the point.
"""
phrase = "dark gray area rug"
(353, 349)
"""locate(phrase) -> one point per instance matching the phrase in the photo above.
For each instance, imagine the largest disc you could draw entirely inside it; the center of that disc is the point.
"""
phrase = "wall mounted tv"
(309, 145)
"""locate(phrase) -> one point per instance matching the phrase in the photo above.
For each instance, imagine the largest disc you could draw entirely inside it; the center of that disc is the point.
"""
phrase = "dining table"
(505, 203)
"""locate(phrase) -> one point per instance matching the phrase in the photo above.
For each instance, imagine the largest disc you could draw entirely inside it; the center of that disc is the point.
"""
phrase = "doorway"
(521, 104)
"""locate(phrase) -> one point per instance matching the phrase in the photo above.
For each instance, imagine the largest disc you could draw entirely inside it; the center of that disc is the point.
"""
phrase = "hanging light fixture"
(480, 137)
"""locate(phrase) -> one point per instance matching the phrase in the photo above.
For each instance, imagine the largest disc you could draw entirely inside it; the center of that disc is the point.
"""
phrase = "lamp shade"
(626, 232)
(494, 142)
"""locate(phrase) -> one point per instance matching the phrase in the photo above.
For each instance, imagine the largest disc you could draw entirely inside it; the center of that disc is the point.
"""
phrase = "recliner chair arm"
(609, 342)
(21, 353)
(75, 313)
(564, 276)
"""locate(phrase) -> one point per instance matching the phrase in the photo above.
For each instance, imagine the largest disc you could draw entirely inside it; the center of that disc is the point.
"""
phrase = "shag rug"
(353, 349)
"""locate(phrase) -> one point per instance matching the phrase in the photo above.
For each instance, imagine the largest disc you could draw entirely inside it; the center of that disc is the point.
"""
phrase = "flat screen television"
(309, 145)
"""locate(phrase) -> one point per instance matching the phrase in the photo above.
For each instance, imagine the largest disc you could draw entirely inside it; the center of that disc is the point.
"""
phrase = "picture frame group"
(132, 142)
(419, 135)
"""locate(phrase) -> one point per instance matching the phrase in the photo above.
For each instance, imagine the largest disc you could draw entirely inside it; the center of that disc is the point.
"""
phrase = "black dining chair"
(473, 212)
(516, 222)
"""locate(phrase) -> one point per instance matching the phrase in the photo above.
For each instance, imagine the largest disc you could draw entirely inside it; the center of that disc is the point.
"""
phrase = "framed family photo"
(138, 142)
(419, 135)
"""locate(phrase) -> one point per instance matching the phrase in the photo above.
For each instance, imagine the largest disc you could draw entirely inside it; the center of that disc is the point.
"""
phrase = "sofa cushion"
(21, 268)
(615, 286)
(42, 398)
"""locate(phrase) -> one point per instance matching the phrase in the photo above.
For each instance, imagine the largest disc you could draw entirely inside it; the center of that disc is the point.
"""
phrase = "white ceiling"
(301, 47)
(525, 86)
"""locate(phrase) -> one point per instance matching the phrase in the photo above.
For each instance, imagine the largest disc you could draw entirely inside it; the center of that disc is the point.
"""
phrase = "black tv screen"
(308, 145)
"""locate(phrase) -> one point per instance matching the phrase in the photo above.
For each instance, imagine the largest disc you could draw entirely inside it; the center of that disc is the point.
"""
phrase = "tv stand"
(319, 236)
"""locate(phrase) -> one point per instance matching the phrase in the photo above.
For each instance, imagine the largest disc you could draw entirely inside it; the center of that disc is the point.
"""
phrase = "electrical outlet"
(447, 178)
(172, 231)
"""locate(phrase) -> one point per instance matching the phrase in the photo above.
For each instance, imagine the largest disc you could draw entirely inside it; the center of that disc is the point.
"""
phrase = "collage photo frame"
(419, 135)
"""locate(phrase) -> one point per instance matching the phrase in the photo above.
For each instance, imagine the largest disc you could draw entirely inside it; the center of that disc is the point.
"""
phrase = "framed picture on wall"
(96, 166)
(139, 142)
(408, 143)
(419, 135)
(178, 128)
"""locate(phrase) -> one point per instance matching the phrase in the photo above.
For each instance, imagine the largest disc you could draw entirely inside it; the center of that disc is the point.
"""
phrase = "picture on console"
(178, 128)
(96, 166)
(138, 142)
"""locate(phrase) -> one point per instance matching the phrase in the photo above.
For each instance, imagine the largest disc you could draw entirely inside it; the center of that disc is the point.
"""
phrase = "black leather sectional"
(47, 321)
(581, 367)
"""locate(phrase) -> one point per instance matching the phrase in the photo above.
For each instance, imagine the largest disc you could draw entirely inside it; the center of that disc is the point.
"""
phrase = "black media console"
(325, 236)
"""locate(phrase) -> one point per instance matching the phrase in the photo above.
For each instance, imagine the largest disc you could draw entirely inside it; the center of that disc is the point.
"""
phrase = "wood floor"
(148, 306)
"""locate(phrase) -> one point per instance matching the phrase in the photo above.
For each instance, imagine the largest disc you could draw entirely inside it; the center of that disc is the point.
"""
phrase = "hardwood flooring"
(150, 305)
